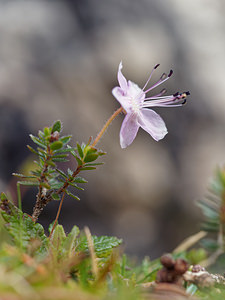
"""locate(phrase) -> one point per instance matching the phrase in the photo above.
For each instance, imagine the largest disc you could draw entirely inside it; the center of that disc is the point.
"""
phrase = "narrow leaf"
(32, 149)
(70, 172)
(59, 160)
(55, 196)
(56, 145)
(94, 164)
(80, 163)
(61, 173)
(23, 176)
(37, 141)
(87, 168)
(50, 163)
(45, 185)
(69, 243)
(80, 151)
(65, 139)
(90, 157)
(30, 183)
(57, 126)
(79, 180)
(72, 195)
(76, 186)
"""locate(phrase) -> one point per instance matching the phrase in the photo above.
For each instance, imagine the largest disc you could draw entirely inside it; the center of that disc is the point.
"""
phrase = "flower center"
(134, 105)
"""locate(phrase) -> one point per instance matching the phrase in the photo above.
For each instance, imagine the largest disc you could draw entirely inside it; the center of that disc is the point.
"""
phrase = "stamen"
(150, 76)
(177, 99)
(161, 80)
(163, 91)
(163, 105)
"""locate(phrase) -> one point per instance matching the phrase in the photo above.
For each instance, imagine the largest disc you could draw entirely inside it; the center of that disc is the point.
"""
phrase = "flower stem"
(113, 116)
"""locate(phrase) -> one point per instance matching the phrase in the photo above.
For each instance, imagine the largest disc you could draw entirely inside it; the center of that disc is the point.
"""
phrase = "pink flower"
(136, 107)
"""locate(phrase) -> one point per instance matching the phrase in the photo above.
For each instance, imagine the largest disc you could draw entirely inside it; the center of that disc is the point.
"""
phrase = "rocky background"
(59, 60)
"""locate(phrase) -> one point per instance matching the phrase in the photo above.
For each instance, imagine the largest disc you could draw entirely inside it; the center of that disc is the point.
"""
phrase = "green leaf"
(41, 134)
(55, 196)
(56, 145)
(30, 183)
(80, 163)
(90, 157)
(50, 163)
(59, 159)
(208, 211)
(46, 132)
(32, 149)
(36, 173)
(68, 149)
(87, 168)
(89, 150)
(56, 185)
(80, 151)
(65, 139)
(72, 195)
(69, 243)
(76, 186)
(57, 239)
(45, 185)
(23, 176)
(209, 244)
(79, 179)
(3, 197)
(94, 164)
(57, 126)
(22, 228)
(70, 172)
(103, 245)
(42, 152)
(38, 141)
(60, 156)
(61, 173)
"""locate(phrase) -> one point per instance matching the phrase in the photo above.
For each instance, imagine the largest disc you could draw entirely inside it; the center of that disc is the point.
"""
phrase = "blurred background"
(59, 60)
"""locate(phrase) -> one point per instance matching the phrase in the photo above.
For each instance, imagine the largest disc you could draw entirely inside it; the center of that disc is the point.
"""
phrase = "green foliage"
(213, 208)
(34, 265)
(103, 245)
(52, 182)
(21, 227)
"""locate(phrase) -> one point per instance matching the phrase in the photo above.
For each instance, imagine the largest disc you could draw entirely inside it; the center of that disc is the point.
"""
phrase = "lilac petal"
(135, 92)
(121, 79)
(151, 122)
(123, 100)
(128, 130)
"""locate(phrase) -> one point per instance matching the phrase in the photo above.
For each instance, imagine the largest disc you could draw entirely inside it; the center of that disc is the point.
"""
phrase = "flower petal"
(151, 122)
(123, 100)
(121, 79)
(135, 92)
(128, 130)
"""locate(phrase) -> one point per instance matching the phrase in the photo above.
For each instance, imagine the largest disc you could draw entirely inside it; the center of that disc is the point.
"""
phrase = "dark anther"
(163, 91)
(163, 76)
(156, 66)
(170, 73)
(176, 94)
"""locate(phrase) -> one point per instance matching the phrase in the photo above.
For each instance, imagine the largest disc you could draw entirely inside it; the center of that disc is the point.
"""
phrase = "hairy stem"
(116, 113)
(40, 198)
(58, 213)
